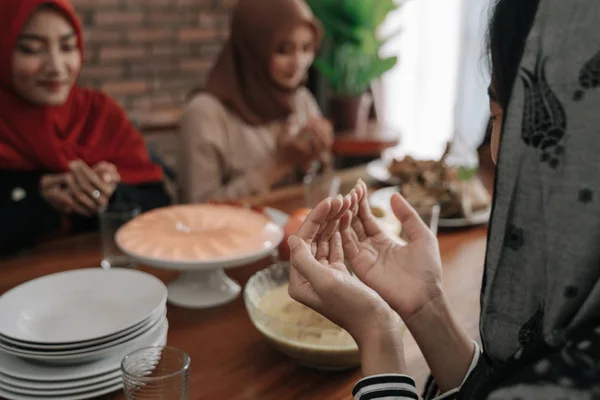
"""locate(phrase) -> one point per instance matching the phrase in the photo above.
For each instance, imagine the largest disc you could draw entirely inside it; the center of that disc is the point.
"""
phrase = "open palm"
(319, 278)
(407, 276)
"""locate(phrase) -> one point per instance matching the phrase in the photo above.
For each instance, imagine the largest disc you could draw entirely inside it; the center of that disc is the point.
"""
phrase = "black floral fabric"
(540, 306)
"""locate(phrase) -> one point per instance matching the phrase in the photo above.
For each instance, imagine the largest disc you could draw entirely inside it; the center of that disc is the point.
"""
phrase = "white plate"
(85, 346)
(61, 392)
(27, 384)
(69, 359)
(381, 199)
(478, 218)
(79, 305)
(18, 368)
(88, 395)
(378, 170)
(88, 350)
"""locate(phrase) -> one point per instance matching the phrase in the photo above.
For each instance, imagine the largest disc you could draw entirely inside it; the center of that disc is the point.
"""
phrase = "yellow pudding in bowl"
(294, 329)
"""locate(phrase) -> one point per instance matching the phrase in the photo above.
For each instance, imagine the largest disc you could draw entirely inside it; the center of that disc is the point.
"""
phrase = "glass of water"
(318, 187)
(430, 214)
(111, 218)
(154, 373)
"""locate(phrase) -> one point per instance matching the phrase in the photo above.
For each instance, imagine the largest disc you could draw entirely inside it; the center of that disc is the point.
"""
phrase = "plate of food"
(462, 198)
(379, 170)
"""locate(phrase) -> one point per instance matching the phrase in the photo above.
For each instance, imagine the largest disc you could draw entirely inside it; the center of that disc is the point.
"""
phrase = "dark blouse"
(26, 217)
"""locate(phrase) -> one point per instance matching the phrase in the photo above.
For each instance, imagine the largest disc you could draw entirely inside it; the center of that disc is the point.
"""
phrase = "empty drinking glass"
(318, 187)
(430, 215)
(156, 373)
(111, 218)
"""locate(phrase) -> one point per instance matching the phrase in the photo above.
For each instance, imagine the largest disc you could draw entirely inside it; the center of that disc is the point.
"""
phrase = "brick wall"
(148, 54)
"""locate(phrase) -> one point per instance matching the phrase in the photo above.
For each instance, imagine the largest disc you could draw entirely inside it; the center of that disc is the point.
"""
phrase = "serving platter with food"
(462, 198)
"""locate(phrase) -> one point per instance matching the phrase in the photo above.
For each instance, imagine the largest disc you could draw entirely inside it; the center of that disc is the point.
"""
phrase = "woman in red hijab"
(65, 152)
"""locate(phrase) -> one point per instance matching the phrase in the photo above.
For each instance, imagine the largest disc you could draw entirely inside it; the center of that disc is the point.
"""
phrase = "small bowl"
(315, 347)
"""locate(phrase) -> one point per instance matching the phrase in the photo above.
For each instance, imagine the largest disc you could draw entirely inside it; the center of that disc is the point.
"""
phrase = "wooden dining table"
(230, 358)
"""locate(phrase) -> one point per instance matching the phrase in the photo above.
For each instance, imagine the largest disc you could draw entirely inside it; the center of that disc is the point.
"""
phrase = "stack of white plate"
(63, 336)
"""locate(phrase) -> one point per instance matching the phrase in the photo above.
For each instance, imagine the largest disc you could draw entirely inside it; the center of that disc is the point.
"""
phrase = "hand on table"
(54, 191)
(83, 190)
(320, 280)
(91, 188)
(408, 277)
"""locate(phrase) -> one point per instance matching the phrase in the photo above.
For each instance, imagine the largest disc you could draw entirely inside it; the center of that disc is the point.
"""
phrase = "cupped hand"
(408, 277)
(319, 278)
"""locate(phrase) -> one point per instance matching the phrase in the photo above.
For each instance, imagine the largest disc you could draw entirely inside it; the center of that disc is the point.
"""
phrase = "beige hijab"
(240, 77)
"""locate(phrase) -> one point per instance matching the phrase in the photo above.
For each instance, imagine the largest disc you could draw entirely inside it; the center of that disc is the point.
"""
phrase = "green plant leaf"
(465, 174)
(328, 72)
(382, 8)
(349, 60)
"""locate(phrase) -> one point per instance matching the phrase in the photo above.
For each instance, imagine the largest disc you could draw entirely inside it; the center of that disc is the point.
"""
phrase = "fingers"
(319, 138)
(346, 205)
(339, 205)
(322, 251)
(312, 224)
(300, 289)
(349, 238)
(411, 221)
(52, 180)
(323, 131)
(108, 172)
(83, 189)
(366, 217)
(302, 259)
(60, 199)
(327, 129)
(91, 183)
(336, 250)
(357, 225)
(82, 203)
(301, 149)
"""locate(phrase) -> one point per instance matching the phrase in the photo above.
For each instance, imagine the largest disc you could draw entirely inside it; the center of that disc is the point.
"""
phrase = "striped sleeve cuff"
(386, 387)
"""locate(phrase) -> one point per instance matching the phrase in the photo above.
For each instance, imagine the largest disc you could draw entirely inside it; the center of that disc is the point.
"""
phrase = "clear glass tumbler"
(111, 218)
(430, 215)
(156, 373)
(318, 187)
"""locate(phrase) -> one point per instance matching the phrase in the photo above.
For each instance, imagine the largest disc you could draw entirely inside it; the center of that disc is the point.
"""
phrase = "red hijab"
(89, 126)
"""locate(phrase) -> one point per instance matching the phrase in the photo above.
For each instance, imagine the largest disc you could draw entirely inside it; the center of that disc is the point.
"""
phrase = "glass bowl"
(316, 347)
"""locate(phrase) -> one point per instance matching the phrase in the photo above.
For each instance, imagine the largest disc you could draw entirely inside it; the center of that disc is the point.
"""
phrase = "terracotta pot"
(345, 112)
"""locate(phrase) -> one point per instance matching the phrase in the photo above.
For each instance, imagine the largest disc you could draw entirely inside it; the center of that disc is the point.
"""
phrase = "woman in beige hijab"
(254, 125)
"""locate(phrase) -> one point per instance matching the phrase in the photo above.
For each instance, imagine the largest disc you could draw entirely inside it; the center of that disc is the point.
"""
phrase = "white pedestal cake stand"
(204, 284)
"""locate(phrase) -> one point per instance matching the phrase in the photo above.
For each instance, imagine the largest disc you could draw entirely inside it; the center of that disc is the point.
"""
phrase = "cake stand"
(204, 284)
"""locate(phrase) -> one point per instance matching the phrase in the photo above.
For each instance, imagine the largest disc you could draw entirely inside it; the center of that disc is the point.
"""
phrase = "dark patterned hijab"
(542, 277)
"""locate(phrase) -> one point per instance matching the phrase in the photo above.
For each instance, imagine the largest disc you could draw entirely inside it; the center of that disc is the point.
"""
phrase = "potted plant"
(350, 58)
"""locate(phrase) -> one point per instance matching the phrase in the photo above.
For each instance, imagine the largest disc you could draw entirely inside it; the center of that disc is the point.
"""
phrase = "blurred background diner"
(186, 140)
